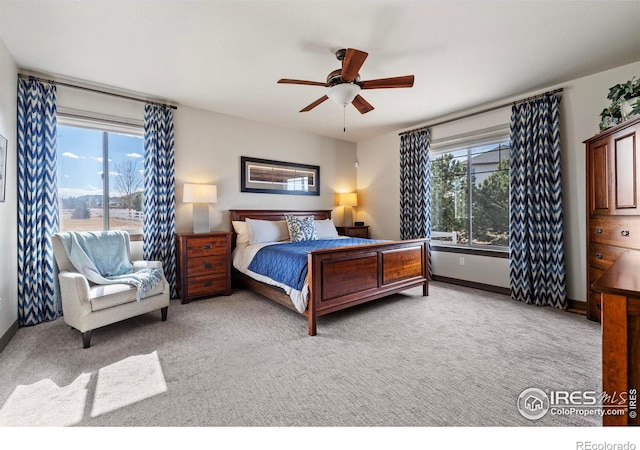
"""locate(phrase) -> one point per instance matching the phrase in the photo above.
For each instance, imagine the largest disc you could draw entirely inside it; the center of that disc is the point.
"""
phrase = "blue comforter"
(287, 263)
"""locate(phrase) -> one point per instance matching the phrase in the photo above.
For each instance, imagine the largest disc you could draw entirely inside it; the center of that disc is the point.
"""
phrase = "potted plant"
(610, 116)
(627, 97)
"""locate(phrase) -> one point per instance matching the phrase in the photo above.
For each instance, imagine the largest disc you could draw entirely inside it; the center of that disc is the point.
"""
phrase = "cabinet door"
(625, 185)
(599, 177)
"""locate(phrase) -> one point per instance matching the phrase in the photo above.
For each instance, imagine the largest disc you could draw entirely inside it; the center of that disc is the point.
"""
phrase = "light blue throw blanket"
(103, 258)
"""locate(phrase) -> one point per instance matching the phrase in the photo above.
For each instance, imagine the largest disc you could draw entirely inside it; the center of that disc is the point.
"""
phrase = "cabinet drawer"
(595, 273)
(602, 256)
(206, 246)
(615, 231)
(206, 264)
(207, 285)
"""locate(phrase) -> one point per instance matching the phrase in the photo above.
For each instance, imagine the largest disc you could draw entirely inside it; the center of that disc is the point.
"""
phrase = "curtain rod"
(97, 91)
(493, 108)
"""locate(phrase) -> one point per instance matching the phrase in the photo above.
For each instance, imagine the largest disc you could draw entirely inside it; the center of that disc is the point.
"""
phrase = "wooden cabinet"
(619, 287)
(613, 212)
(361, 232)
(204, 264)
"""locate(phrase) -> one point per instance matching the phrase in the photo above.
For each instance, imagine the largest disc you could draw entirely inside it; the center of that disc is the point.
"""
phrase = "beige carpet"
(459, 357)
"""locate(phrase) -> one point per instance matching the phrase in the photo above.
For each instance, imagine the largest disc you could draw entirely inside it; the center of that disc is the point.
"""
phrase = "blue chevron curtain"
(415, 186)
(537, 267)
(159, 191)
(37, 202)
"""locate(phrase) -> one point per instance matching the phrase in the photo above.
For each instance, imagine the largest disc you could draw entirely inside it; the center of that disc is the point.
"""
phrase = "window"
(89, 200)
(470, 192)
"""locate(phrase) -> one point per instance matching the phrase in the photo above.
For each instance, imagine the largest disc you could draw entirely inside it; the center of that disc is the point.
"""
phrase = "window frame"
(105, 124)
(467, 141)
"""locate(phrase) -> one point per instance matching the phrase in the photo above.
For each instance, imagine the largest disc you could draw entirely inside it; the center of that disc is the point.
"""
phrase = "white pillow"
(242, 232)
(326, 229)
(261, 231)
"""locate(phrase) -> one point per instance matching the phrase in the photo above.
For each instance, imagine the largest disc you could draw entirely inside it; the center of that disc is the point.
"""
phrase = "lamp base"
(347, 218)
(201, 218)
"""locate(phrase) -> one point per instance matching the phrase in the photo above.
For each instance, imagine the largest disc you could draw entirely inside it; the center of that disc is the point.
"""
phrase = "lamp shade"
(343, 94)
(349, 199)
(200, 193)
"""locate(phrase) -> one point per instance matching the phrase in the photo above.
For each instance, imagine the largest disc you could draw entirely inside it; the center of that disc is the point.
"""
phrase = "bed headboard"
(272, 214)
(275, 214)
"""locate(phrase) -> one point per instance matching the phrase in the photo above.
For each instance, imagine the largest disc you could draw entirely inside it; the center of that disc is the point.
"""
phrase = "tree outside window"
(470, 196)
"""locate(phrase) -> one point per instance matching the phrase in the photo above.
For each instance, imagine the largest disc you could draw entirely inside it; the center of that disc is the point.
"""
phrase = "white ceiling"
(226, 56)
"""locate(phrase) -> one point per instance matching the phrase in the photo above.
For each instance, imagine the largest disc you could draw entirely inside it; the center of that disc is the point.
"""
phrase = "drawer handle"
(598, 255)
(599, 230)
(624, 233)
(207, 283)
(206, 246)
(207, 265)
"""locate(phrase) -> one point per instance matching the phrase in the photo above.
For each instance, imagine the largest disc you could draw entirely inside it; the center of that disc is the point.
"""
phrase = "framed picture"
(3, 167)
(278, 177)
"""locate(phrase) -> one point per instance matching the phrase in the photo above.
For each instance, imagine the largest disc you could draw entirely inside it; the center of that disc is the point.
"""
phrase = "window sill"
(493, 253)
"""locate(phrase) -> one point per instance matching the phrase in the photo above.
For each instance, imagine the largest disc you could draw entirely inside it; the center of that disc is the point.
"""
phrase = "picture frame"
(3, 167)
(267, 176)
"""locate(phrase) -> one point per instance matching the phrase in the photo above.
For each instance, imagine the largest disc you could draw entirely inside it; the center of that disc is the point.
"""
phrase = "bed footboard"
(347, 276)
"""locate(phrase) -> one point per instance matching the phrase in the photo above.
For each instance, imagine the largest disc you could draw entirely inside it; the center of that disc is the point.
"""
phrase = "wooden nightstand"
(361, 232)
(204, 264)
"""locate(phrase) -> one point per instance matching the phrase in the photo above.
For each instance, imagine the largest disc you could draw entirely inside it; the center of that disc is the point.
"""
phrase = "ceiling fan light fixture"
(343, 94)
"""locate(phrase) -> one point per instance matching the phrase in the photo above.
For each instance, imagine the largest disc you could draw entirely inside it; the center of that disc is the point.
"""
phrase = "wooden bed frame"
(346, 276)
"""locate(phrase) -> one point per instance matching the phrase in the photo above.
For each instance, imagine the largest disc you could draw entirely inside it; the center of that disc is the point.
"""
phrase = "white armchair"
(87, 306)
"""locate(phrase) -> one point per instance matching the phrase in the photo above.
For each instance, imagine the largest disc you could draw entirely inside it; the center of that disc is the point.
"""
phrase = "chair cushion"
(105, 296)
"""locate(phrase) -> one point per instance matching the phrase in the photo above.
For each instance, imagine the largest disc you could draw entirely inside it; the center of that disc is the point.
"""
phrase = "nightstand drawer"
(207, 285)
(206, 265)
(359, 232)
(206, 246)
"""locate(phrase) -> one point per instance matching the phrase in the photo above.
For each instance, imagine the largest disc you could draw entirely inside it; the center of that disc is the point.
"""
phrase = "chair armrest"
(147, 265)
(74, 291)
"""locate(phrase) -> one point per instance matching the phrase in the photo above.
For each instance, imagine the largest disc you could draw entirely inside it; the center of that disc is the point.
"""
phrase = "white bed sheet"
(241, 258)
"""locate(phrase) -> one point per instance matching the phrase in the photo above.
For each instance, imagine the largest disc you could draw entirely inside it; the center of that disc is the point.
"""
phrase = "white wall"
(8, 209)
(208, 150)
(582, 101)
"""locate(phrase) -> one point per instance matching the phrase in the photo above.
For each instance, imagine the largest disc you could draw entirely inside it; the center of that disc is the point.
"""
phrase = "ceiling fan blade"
(308, 83)
(384, 83)
(362, 105)
(314, 104)
(351, 63)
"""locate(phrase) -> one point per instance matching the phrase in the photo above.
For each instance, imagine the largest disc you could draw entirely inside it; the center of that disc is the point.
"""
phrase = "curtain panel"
(536, 240)
(415, 187)
(159, 191)
(37, 203)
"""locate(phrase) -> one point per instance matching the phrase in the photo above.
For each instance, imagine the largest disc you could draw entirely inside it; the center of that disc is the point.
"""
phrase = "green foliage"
(491, 208)
(619, 94)
(449, 195)
(624, 91)
(490, 205)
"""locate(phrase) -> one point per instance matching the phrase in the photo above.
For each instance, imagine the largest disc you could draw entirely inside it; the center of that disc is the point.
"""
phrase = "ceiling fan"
(344, 84)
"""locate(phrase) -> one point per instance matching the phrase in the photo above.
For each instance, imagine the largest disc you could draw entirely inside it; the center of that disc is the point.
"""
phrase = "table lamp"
(200, 195)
